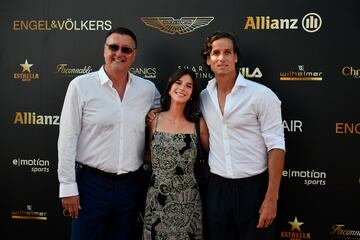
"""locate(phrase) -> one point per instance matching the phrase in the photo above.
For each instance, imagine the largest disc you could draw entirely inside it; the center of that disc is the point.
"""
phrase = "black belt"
(247, 180)
(99, 172)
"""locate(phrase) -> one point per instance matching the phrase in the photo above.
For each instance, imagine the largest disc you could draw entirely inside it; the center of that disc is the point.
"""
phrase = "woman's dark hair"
(191, 111)
(216, 36)
(122, 31)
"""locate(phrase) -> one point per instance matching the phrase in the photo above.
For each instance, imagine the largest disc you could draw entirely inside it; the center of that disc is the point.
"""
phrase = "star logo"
(26, 66)
(26, 75)
(295, 225)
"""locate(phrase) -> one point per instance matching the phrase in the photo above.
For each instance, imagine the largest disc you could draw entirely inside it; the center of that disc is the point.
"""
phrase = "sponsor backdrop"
(306, 51)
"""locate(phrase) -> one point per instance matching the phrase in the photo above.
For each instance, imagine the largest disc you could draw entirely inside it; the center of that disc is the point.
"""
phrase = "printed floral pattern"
(173, 207)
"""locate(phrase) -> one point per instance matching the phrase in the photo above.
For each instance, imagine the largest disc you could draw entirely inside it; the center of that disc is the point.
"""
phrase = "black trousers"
(233, 208)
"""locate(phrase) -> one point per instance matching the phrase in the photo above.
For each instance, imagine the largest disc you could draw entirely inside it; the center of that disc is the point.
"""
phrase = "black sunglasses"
(124, 49)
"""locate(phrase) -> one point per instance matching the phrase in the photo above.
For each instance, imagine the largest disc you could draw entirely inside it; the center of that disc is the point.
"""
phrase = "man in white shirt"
(247, 147)
(101, 143)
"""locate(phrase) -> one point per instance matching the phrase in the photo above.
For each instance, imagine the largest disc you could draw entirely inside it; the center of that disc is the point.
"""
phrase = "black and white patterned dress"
(173, 206)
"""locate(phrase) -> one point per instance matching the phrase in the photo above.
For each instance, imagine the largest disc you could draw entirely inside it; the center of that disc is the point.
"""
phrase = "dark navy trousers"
(109, 206)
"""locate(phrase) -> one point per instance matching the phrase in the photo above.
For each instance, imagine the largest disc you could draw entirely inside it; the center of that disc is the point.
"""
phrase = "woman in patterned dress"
(173, 208)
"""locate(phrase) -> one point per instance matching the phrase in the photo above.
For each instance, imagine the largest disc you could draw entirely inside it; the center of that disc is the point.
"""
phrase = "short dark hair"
(191, 111)
(216, 36)
(122, 31)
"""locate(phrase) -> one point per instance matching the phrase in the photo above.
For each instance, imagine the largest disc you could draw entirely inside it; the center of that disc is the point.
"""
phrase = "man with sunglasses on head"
(247, 147)
(101, 143)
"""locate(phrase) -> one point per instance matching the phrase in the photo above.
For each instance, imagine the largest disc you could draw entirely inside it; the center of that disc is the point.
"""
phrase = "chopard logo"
(181, 26)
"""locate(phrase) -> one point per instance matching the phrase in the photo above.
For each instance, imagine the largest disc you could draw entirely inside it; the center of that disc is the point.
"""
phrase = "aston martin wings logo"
(181, 26)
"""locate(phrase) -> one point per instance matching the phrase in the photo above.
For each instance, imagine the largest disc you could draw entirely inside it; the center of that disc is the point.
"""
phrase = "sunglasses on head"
(124, 49)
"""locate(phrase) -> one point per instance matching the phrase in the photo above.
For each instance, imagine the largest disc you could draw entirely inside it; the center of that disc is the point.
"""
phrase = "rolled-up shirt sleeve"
(270, 119)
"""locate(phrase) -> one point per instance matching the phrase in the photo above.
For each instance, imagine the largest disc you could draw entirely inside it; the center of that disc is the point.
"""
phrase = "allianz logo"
(311, 22)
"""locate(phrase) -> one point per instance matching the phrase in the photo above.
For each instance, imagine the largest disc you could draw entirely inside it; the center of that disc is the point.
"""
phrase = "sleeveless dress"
(173, 208)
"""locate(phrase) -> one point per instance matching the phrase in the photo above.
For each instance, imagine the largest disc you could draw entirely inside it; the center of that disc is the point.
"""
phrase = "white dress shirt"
(250, 126)
(99, 130)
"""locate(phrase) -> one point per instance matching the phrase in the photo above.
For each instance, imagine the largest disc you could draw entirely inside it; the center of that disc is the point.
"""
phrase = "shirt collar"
(104, 79)
(239, 82)
(103, 76)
